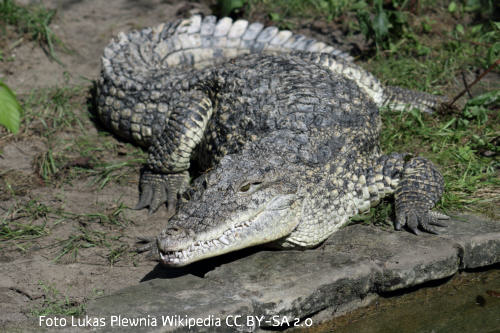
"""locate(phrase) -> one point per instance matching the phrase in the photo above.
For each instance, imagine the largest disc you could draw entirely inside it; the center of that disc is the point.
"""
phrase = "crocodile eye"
(247, 186)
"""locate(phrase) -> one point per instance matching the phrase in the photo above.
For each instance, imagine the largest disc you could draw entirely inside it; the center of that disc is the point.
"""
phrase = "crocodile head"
(242, 203)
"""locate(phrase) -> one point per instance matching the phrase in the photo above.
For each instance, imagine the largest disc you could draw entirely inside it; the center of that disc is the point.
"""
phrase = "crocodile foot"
(418, 191)
(413, 219)
(148, 244)
(157, 189)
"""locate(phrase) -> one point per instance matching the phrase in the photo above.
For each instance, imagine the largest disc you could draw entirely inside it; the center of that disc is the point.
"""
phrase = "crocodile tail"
(363, 79)
(401, 99)
(228, 38)
(395, 98)
(199, 41)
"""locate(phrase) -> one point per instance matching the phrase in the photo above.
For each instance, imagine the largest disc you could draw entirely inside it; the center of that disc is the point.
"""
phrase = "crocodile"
(285, 128)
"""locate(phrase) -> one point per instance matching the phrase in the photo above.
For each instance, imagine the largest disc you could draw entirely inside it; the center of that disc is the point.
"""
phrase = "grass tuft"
(56, 304)
(33, 21)
(51, 110)
(32, 211)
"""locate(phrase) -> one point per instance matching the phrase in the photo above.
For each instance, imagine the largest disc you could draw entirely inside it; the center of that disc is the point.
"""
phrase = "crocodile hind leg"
(165, 175)
(416, 184)
(420, 188)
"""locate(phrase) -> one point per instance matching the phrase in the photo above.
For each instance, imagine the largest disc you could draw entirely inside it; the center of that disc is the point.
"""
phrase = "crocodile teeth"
(224, 240)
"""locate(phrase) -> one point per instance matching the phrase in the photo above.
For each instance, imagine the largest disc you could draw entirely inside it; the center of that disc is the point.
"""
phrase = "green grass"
(87, 237)
(112, 217)
(55, 303)
(94, 230)
(52, 110)
(30, 220)
(103, 230)
(83, 238)
(115, 172)
(430, 61)
(280, 10)
(75, 150)
(461, 146)
(387, 24)
(19, 221)
(285, 9)
(463, 142)
(378, 20)
(32, 21)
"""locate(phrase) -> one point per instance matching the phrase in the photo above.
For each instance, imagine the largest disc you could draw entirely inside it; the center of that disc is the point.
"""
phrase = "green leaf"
(475, 29)
(426, 27)
(423, 50)
(472, 5)
(275, 17)
(493, 53)
(452, 7)
(381, 25)
(227, 6)
(10, 109)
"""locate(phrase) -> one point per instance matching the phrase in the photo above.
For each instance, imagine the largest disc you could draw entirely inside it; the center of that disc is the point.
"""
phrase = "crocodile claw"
(414, 220)
(157, 189)
(145, 197)
(159, 197)
(153, 191)
(148, 245)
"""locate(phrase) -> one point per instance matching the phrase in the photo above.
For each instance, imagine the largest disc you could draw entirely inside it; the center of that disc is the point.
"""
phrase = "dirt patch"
(85, 28)
(69, 238)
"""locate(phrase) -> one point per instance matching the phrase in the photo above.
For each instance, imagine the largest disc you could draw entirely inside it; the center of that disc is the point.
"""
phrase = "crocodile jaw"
(274, 220)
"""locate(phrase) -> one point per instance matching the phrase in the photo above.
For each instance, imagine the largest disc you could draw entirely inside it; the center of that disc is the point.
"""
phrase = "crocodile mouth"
(248, 232)
(199, 248)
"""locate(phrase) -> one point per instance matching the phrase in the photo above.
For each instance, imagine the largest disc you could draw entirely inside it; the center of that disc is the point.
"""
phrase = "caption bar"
(173, 321)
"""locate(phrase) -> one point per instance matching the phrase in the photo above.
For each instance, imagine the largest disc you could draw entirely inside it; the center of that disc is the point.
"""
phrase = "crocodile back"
(140, 67)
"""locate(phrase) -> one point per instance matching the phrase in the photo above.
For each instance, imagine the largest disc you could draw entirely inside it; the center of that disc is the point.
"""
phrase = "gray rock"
(351, 267)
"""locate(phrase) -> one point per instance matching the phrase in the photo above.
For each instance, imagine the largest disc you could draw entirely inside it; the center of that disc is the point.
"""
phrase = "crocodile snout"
(174, 238)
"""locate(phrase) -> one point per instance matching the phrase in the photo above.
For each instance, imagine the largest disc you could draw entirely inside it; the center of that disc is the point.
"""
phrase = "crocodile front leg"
(166, 173)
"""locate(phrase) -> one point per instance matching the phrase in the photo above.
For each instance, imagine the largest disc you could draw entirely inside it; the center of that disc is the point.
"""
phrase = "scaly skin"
(309, 160)
(301, 126)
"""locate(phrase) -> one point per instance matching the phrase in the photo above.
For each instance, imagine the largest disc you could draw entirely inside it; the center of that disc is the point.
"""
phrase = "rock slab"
(292, 287)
